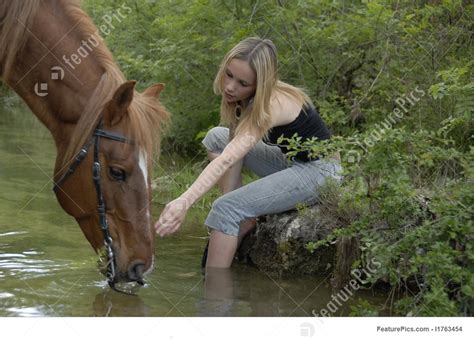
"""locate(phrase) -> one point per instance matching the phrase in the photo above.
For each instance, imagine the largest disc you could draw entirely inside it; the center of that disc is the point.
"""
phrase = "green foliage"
(413, 193)
(363, 309)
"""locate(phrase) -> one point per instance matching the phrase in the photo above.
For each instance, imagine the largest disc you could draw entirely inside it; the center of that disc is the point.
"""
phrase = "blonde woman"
(262, 108)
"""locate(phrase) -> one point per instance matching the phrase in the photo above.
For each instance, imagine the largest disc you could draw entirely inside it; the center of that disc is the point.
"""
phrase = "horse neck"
(52, 39)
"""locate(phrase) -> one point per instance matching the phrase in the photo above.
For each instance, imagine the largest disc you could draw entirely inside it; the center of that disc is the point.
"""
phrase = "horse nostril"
(135, 272)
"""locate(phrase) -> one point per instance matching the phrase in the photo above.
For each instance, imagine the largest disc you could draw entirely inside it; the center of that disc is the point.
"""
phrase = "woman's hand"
(172, 217)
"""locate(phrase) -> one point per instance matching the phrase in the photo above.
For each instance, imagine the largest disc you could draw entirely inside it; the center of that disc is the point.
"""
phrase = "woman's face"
(239, 81)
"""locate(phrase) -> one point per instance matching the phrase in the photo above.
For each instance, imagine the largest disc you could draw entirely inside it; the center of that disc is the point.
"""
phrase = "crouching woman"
(262, 108)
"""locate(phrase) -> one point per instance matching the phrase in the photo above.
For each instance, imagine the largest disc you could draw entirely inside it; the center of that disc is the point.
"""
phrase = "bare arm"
(175, 211)
(229, 160)
(233, 177)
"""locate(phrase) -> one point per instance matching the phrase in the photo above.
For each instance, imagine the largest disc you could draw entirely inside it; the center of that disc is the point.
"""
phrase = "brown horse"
(98, 121)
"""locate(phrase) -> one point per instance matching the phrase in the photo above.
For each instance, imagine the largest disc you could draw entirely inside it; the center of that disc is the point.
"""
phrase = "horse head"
(123, 184)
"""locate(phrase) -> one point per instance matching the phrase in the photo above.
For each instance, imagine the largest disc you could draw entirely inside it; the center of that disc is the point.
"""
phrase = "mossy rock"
(278, 244)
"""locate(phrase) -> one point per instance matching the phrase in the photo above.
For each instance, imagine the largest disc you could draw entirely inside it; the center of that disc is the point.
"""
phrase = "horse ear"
(154, 90)
(119, 104)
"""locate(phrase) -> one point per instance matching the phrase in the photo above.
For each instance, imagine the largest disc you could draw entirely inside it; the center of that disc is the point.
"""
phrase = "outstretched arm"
(174, 213)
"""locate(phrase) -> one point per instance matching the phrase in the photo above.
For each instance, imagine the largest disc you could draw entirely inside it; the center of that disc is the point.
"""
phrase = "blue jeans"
(282, 185)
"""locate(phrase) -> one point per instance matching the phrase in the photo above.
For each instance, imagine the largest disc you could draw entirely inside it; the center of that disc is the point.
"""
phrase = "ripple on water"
(12, 233)
(25, 311)
(32, 253)
(25, 265)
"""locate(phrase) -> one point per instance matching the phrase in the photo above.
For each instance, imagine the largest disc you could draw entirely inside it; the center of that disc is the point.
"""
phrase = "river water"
(47, 268)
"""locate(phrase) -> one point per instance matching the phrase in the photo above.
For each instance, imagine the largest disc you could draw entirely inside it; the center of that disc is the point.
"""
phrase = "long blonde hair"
(261, 55)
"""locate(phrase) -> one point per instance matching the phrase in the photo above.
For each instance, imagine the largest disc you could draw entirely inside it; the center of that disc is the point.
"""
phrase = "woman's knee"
(222, 205)
(227, 206)
(216, 139)
(224, 216)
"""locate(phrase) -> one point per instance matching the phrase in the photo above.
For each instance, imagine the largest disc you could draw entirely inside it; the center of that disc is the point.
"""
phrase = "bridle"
(95, 138)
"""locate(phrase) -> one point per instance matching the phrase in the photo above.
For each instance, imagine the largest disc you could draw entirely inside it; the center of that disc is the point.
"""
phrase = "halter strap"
(98, 132)
(101, 210)
(77, 160)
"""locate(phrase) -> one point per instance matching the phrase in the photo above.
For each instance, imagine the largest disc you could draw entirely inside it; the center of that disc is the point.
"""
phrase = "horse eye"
(118, 174)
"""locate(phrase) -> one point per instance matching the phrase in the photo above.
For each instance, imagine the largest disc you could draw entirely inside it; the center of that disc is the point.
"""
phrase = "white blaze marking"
(143, 164)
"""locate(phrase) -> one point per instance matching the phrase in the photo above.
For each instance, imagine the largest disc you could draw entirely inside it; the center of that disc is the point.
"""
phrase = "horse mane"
(13, 34)
(147, 115)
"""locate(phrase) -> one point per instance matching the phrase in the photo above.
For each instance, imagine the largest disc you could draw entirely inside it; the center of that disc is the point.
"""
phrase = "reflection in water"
(243, 291)
(109, 303)
(219, 293)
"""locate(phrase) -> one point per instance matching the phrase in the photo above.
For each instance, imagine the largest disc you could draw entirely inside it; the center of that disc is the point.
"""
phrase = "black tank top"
(307, 124)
